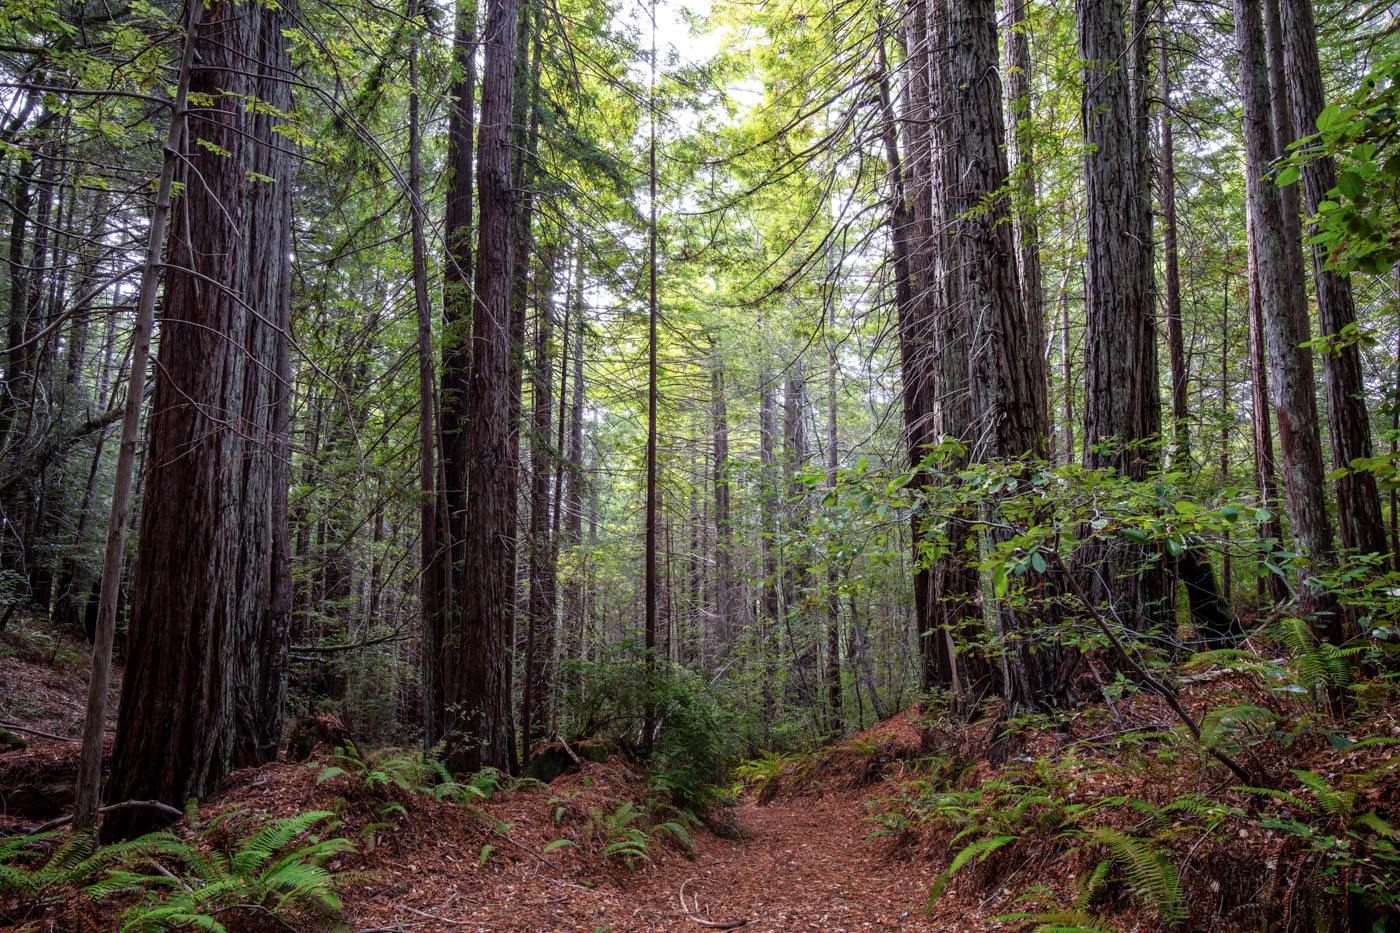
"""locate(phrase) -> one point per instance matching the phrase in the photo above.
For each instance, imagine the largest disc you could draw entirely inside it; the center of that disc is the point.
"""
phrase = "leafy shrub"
(686, 757)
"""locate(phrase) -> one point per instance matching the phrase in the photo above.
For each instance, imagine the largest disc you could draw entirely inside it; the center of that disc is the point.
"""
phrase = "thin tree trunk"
(539, 652)
(1349, 427)
(1176, 344)
(88, 796)
(430, 573)
(833, 596)
(1265, 470)
(725, 609)
(1291, 381)
(1228, 583)
(652, 399)
(454, 396)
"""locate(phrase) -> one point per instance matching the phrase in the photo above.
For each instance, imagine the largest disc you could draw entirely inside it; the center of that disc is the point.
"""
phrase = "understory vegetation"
(644, 464)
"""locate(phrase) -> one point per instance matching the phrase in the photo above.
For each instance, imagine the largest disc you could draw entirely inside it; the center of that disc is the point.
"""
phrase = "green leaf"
(1351, 184)
(1287, 177)
(1136, 535)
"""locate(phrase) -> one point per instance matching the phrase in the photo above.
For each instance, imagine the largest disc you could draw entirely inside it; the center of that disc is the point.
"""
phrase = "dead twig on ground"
(43, 735)
(693, 915)
(124, 805)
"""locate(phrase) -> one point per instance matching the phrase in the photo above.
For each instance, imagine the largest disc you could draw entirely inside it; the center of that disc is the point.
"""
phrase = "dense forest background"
(722, 380)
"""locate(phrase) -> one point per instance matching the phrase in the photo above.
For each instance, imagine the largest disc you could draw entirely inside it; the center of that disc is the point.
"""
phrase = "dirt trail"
(804, 866)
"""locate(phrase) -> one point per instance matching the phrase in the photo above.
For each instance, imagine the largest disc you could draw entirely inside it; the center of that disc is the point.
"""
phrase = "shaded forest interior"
(597, 439)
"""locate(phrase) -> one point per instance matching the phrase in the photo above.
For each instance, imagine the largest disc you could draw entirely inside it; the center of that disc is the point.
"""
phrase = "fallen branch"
(694, 917)
(526, 849)
(437, 919)
(124, 805)
(568, 750)
(43, 735)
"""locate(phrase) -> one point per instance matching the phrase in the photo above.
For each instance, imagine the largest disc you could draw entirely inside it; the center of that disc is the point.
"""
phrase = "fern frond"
(271, 838)
(1063, 921)
(72, 852)
(22, 847)
(1149, 872)
(1219, 723)
(679, 832)
(1376, 825)
(978, 851)
(1338, 803)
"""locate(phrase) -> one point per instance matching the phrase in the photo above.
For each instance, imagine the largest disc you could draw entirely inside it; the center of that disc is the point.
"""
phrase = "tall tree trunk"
(1265, 470)
(1021, 146)
(476, 678)
(1140, 85)
(1176, 344)
(1289, 208)
(769, 606)
(726, 609)
(652, 399)
(1358, 499)
(917, 351)
(1291, 381)
(1119, 416)
(539, 652)
(1009, 373)
(1067, 377)
(205, 637)
(16, 322)
(574, 595)
(833, 596)
(431, 537)
(454, 394)
(1227, 582)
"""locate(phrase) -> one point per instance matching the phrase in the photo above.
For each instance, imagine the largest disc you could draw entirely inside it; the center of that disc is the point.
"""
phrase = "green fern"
(977, 852)
(1317, 664)
(1151, 873)
(1219, 724)
(267, 871)
(1063, 921)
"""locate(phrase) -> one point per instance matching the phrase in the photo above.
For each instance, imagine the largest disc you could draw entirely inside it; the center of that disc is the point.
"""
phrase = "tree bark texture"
(1290, 378)
(208, 631)
(476, 676)
(1358, 498)
(454, 391)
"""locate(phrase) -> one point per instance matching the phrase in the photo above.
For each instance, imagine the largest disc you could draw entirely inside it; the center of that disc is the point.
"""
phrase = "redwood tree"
(475, 666)
(1291, 382)
(1120, 411)
(208, 631)
(1358, 499)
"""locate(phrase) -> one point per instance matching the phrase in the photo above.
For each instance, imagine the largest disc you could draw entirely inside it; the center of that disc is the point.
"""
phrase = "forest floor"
(837, 840)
